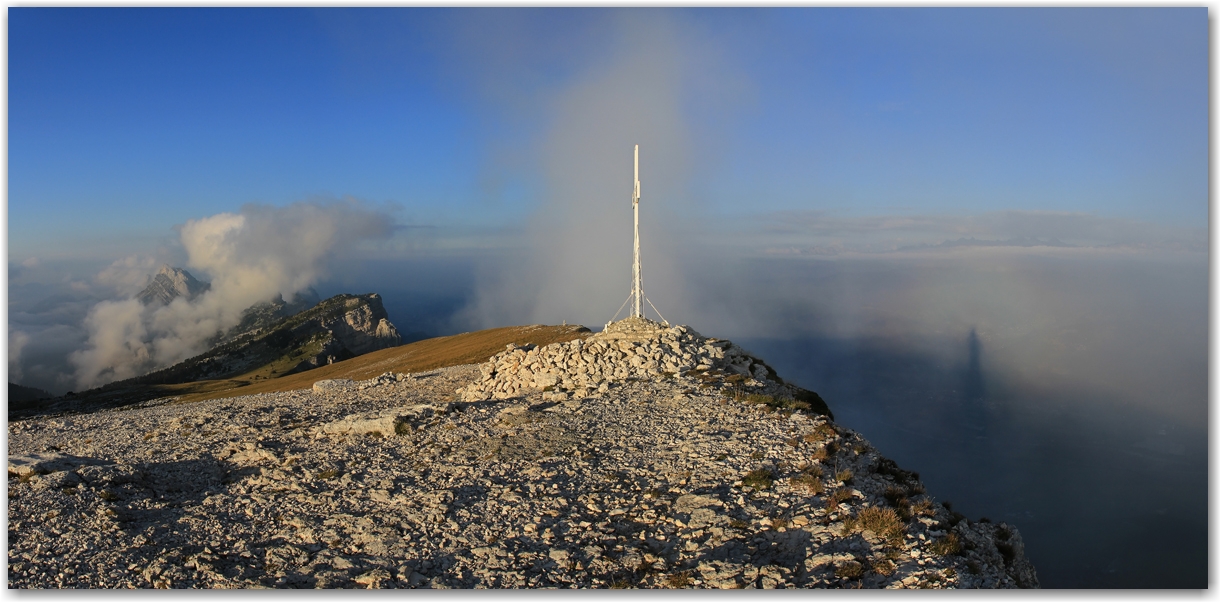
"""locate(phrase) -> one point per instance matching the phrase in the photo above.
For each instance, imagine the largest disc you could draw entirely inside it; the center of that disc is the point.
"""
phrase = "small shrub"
(794, 442)
(814, 402)
(737, 523)
(402, 428)
(814, 471)
(806, 483)
(923, 508)
(779, 523)
(884, 567)
(973, 567)
(757, 455)
(108, 495)
(896, 496)
(376, 435)
(820, 454)
(679, 580)
(946, 546)
(1006, 551)
(149, 436)
(619, 584)
(849, 570)
(883, 522)
(328, 474)
(837, 497)
(886, 466)
(758, 479)
(844, 475)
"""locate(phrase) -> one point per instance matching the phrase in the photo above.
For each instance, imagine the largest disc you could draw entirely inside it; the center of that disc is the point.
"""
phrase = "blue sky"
(126, 122)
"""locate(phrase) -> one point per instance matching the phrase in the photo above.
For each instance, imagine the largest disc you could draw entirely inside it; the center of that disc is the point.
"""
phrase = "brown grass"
(946, 545)
(806, 483)
(882, 521)
(420, 356)
(837, 497)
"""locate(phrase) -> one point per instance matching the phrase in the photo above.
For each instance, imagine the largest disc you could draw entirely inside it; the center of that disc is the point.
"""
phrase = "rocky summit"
(170, 283)
(642, 456)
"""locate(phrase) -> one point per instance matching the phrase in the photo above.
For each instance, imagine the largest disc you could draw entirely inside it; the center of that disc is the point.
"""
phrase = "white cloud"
(250, 256)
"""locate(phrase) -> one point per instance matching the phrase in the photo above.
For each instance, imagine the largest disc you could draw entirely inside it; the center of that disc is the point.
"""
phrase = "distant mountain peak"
(169, 284)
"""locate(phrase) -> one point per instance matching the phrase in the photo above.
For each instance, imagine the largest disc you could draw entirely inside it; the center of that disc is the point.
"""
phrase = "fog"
(249, 257)
(655, 74)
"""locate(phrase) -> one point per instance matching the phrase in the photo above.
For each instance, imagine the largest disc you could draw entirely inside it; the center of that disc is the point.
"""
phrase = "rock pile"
(391, 483)
(631, 349)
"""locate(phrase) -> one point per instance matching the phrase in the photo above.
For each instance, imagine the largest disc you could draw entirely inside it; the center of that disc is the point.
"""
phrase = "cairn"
(631, 349)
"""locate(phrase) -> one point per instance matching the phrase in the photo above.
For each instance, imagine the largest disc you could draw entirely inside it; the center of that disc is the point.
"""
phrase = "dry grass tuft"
(844, 475)
(807, 483)
(946, 546)
(837, 497)
(758, 479)
(882, 521)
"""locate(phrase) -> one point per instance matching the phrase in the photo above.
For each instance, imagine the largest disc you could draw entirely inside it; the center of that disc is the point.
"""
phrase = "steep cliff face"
(169, 284)
(364, 327)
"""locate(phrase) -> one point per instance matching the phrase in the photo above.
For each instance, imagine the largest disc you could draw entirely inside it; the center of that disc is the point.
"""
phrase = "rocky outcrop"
(364, 326)
(171, 283)
(631, 349)
(261, 316)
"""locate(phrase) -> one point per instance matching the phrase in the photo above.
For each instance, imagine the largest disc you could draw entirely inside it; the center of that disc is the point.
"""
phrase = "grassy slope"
(465, 348)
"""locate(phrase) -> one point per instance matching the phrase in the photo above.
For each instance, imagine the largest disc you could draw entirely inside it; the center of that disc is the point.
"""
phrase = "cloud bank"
(250, 256)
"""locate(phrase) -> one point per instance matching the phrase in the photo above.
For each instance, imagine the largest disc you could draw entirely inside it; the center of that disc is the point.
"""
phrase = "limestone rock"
(695, 479)
(47, 462)
(334, 385)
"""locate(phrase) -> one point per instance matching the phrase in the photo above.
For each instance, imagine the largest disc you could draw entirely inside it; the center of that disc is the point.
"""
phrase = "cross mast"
(636, 290)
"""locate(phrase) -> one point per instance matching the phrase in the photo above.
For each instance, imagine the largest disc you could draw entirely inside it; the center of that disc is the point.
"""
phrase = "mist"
(249, 257)
(655, 73)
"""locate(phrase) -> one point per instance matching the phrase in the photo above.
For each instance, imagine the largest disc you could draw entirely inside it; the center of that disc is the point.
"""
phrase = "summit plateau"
(543, 456)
